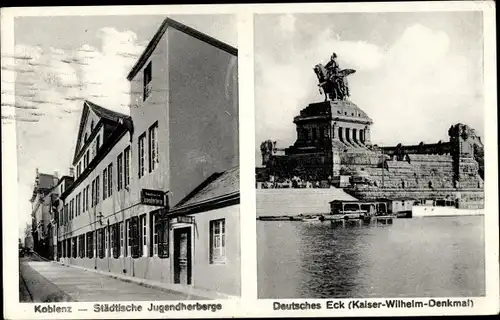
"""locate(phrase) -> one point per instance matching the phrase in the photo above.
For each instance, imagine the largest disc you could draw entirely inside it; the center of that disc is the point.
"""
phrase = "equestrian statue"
(332, 79)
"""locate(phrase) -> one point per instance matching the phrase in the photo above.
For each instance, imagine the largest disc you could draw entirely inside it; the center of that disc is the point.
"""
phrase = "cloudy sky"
(417, 73)
(60, 61)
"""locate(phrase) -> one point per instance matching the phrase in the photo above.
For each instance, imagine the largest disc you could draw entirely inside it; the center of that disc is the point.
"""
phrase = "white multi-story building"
(156, 192)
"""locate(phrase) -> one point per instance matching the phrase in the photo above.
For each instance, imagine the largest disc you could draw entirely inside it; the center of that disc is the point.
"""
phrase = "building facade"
(43, 211)
(130, 209)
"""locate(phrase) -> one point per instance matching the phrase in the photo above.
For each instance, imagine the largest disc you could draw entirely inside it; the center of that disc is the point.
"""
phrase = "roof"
(217, 186)
(104, 114)
(183, 28)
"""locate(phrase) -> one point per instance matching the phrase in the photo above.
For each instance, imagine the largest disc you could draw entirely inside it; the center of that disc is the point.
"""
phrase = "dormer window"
(147, 81)
(98, 142)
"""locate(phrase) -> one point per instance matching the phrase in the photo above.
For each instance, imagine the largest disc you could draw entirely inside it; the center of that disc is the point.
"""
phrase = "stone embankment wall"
(292, 202)
(467, 198)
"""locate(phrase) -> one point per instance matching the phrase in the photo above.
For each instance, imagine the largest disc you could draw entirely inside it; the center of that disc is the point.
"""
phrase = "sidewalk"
(76, 280)
(85, 285)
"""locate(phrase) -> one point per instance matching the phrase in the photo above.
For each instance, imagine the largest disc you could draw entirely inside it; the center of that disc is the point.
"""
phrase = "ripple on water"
(412, 258)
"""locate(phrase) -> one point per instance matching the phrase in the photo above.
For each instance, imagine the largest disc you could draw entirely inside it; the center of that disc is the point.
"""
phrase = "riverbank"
(293, 202)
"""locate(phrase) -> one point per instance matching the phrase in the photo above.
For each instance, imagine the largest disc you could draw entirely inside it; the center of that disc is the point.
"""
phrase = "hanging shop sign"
(185, 219)
(153, 197)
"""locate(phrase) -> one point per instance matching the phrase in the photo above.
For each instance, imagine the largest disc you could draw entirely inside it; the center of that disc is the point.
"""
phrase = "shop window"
(218, 241)
(147, 81)
(153, 147)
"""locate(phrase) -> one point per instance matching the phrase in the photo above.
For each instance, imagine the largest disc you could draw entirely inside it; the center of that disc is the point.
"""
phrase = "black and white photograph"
(249, 160)
(370, 155)
(127, 150)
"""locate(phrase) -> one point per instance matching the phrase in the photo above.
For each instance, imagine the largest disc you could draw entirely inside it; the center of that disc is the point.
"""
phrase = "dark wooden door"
(182, 256)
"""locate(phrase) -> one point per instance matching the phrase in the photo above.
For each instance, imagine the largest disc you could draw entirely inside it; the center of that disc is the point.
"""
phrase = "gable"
(88, 118)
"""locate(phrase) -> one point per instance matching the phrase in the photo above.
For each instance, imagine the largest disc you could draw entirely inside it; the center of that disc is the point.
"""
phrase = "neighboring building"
(41, 212)
(156, 192)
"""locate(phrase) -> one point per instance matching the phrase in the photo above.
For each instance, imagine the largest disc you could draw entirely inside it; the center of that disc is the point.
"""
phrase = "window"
(126, 168)
(91, 125)
(73, 247)
(97, 190)
(87, 200)
(81, 246)
(144, 236)
(84, 199)
(105, 183)
(147, 81)
(129, 238)
(218, 241)
(121, 237)
(134, 237)
(106, 242)
(119, 168)
(159, 230)
(110, 180)
(100, 242)
(65, 213)
(140, 153)
(79, 204)
(78, 169)
(72, 209)
(98, 143)
(92, 202)
(154, 226)
(153, 147)
(115, 240)
(88, 158)
(90, 244)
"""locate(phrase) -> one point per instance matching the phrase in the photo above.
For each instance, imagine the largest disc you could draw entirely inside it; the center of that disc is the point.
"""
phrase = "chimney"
(71, 172)
(56, 174)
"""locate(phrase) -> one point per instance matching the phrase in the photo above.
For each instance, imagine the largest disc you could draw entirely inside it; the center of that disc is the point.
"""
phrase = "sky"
(416, 73)
(61, 61)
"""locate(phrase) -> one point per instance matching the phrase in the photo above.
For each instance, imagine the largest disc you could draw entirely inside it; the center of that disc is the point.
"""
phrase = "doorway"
(182, 255)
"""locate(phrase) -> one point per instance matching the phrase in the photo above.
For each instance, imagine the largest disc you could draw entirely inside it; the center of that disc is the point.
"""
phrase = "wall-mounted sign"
(153, 197)
(185, 219)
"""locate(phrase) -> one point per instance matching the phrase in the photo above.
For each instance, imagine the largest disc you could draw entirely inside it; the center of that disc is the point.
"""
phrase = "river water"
(419, 257)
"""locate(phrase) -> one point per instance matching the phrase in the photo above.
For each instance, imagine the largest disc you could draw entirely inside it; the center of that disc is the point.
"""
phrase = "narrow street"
(45, 281)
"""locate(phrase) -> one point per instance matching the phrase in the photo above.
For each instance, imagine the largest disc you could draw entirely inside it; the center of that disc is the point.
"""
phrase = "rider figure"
(332, 67)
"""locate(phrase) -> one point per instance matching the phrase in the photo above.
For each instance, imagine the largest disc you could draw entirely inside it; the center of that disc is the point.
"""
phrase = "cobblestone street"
(42, 281)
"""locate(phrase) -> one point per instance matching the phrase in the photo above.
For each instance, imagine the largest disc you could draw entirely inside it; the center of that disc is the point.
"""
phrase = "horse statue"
(335, 87)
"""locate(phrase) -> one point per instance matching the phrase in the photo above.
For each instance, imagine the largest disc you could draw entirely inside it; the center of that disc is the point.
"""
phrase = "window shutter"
(163, 236)
(135, 237)
(152, 227)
